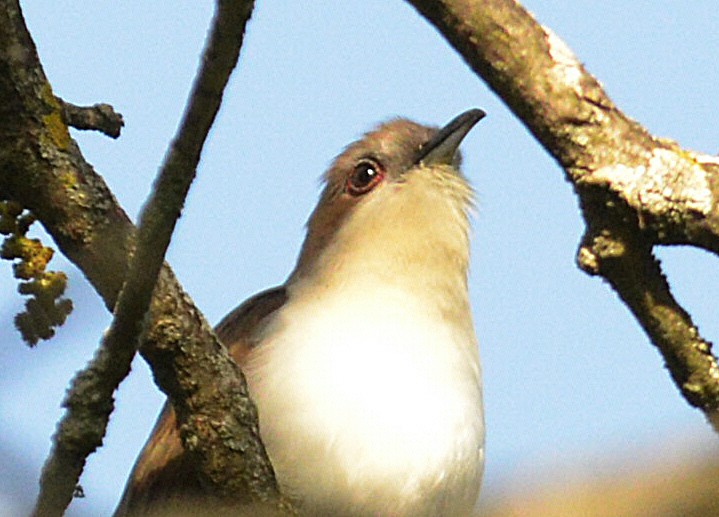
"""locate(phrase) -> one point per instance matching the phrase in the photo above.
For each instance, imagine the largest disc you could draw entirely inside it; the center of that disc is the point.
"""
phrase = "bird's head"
(392, 196)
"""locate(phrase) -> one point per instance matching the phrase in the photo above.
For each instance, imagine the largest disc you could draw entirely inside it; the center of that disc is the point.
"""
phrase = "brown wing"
(163, 473)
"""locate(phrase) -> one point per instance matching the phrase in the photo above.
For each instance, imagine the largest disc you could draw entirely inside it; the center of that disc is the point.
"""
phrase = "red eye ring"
(365, 176)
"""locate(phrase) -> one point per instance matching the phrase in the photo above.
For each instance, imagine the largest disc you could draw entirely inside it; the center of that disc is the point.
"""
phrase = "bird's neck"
(411, 236)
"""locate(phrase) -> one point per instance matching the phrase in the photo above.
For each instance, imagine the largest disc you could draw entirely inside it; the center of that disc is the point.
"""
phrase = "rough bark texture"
(100, 117)
(42, 168)
(636, 191)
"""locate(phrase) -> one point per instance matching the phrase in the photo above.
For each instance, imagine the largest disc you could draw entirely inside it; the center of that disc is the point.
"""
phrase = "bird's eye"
(364, 177)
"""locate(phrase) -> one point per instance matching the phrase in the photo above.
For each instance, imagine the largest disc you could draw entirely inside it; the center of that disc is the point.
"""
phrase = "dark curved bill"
(442, 147)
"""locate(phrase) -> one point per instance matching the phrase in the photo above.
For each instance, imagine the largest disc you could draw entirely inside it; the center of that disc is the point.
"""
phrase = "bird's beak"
(442, 148)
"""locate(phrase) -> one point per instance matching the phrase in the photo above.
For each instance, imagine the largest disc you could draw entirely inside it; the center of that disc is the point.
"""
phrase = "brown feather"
(164, 474)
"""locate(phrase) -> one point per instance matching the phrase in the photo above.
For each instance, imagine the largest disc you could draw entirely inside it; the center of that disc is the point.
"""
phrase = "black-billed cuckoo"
(364, 364)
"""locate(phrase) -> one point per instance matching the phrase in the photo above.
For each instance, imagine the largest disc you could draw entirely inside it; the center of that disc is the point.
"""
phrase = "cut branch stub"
(99, 117)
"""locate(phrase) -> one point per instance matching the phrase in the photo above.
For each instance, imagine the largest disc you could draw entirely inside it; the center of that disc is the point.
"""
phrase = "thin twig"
(89, 402)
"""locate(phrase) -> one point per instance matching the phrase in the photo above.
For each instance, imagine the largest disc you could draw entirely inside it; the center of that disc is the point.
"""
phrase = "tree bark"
(635, 190)
(42, 168)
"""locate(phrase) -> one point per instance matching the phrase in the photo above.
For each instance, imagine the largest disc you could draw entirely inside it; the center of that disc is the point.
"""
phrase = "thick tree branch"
(42, 168)
(629, 182)
(89, 402)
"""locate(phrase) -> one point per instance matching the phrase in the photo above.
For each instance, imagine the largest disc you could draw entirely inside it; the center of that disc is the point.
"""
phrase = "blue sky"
(569, 376)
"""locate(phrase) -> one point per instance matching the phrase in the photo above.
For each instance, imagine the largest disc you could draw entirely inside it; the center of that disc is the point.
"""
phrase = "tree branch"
(42, 168)
(89, 402)
(624, 258)
(100, 117)
(629, 182)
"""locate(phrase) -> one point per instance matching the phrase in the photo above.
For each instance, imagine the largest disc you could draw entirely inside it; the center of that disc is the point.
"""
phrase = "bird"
(364, 364)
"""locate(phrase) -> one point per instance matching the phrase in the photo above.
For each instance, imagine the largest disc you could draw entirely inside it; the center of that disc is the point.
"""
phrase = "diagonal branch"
(89, 402)
(626, 261)
(42, 168)
(674, 191)
(629, 182)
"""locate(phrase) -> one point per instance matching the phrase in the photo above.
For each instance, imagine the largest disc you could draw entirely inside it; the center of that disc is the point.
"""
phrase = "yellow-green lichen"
(56, 130)
(45, 310)
(69, 180)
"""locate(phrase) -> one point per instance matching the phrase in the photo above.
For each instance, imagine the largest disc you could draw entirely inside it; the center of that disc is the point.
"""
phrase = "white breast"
(370, 404)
